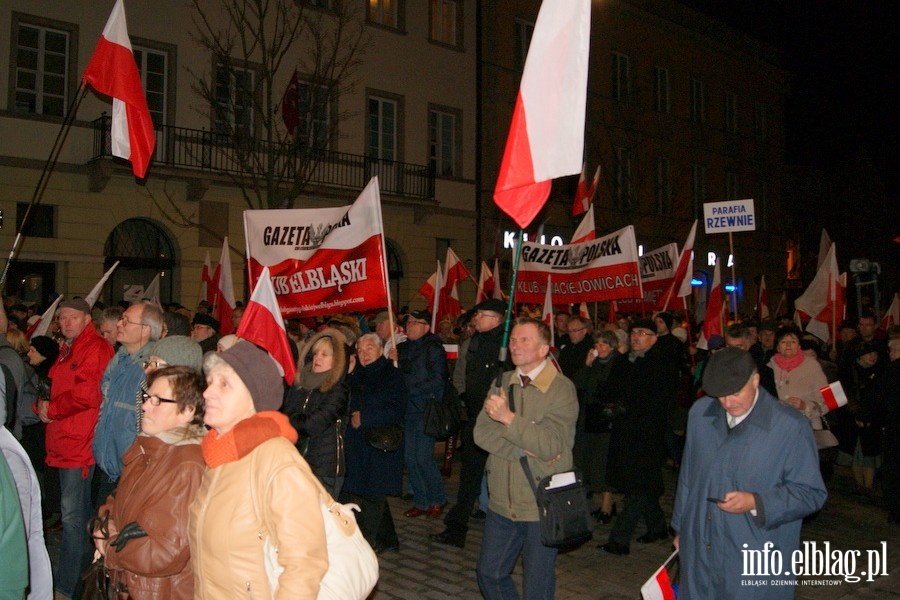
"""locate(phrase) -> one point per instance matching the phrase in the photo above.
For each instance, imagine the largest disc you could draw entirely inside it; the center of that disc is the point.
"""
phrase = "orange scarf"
(245, 437)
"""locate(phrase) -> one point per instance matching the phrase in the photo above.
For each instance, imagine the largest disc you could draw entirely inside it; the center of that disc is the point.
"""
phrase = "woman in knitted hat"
(142, 528)
(259, 498)
(317, 407)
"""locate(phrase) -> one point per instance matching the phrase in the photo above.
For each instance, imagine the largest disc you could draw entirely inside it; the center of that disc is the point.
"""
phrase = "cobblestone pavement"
(423, 569)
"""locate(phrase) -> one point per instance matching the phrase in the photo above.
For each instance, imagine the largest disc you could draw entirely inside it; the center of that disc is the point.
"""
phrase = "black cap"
(647, 324)
(201, 319)
(727, 371)
(492, 305)
(421, 315)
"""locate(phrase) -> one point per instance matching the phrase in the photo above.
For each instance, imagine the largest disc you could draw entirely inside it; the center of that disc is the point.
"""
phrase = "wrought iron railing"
(208, 151)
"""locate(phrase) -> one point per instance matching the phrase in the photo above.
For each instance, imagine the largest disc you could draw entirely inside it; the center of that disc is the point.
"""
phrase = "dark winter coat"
(482, 368)
(423, 363)
(592, 383)
(377, 391)
(860, 420)
(637, 448)
(320, 414)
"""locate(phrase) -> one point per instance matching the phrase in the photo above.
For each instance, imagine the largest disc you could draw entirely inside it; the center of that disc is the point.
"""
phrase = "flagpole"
(385, 278)
(41, 186)
(510, 303)
(733, 278)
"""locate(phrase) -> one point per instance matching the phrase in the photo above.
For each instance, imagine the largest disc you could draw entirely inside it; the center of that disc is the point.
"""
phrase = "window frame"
(455, 150)
(19, 19)
(698, 100)
(698, 188)
(662, 188)
(731, 112)
(617, 59)
(376, 9)
(384, 98)
(457, 20)
(233, 131)
(524, 34)
(662, 90)
(169, 51)
(307, 118)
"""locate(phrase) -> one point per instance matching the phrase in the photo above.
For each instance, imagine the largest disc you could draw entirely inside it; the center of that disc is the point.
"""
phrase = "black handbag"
(387, 438)
(442, 414)
(564, 512)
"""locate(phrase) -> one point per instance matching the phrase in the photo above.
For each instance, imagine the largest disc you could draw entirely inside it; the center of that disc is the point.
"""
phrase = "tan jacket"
(544, 425)
(227, 534)
(158, 483)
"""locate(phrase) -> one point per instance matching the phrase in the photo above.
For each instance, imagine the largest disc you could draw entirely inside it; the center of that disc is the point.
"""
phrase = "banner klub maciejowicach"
(322, 261)
(605, 268)
(657, 271)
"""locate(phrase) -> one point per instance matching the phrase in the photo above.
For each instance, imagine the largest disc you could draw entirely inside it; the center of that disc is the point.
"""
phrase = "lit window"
(384, 12)
(443, 21)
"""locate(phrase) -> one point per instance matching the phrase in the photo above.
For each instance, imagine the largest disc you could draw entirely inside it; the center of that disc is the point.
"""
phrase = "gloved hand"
(130, 531)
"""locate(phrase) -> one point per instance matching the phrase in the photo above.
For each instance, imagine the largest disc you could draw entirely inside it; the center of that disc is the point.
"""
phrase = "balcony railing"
(202, 150)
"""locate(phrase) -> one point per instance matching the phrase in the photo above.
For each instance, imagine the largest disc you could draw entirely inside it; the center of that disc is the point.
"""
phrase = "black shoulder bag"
(563, 509)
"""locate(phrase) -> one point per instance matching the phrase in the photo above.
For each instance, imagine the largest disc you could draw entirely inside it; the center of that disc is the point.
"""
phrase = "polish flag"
(892, 316)
(584, 194)
(262, 324)
(439, 296)
(583, 311)
(427, 288)
(823, 301)
(659, 586)
(98, 287)
(585, 231)
(763, 301)
(684, 272)
(712, 322)
(42, 325)
(290, 104)
(223, 290)
(486, 283)
(547, 312)
(454, 269)
(112, 71)
(546, 136)
(834, 395)
(206, 284)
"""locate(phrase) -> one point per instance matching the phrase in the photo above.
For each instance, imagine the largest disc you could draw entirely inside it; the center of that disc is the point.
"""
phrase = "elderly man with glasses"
(140, 325)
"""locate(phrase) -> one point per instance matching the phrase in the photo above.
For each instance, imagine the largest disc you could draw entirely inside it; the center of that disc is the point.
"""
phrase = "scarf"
(245, 437)
(310, 380)
(788, 364)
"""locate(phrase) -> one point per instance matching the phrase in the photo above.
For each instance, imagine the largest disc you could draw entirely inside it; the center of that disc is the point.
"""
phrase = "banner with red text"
(605, 268)
(657, 271)
(322, 260)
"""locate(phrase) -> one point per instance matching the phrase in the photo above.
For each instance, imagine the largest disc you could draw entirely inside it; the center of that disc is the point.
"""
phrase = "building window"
(622, 192)
(234, 101)
(661, 90)
(153, 66)
(731, 110)
(698, 188)
(384, 12)
(662, 186)
(382, 128)
(444, 22)
(41, 67)
(698, 100)
(524, 31)
(442, 142)
(41, 220)
(314, 110)
(759, 120)
(621, 76)
(732, 189)
(761, 202)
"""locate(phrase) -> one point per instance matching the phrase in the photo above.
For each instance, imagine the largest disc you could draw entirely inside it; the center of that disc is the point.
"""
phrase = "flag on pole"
(262, 324)
(454, 269)
(583, 311)
(113, 71)
(486, 283)
(95, 293)
(41, 326)
(546, 136)
(613, 309)
(290, 104)
(547, 312)
(681, 283)
(892, 316)
(712, 322)
(782, 303)
(823, 301)
(223, 290)
(439, 296)
(206, 285)
(427, 289)
(151, 292)
(585, 231)
(584, 195)
(659, 586)
(763, 301)
(834, 395)
(824, 245)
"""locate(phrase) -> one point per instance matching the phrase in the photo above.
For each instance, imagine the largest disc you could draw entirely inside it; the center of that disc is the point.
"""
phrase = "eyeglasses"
(642, 332)
(124, 319)
(156, 364)
(155, 400)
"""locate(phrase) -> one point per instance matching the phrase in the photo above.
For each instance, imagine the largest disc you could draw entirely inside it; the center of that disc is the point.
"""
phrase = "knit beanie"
(258, 372)
(179, 350)
(46, 347)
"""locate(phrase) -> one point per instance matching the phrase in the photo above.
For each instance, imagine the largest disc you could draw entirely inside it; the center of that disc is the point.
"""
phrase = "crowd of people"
(147, 437)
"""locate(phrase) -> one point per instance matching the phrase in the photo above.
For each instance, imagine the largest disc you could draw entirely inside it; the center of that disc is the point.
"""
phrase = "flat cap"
(727, 371)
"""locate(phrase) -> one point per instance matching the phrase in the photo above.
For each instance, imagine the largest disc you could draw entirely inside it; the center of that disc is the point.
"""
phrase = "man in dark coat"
(750, 474)
(573, 354)
(482, 367)
(647, 383)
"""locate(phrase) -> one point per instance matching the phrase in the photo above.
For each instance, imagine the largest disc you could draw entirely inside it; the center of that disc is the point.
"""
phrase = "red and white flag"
(440, 298)
(112, 71)
(322, 260)
(223, 290)
(547, 312)
(486, 283)
(763, 301)
(427, 288)
(454, 269)
(823, 301)
(834, 395)
(262, 324)
(206, 285)
(583, 311)
(715, 304)
(98, 287)
(290, 104)
(824, 246)
(584, 195)
(585, 231)
(613, 309)
(892, 316)
(684, 272)
(659, 586)
(42, 325)
(546, 136)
